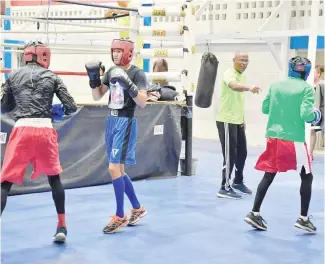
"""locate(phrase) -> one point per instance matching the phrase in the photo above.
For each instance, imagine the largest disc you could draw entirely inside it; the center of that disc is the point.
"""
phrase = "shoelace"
(115, 221)
(263, 220)
(309, 222)
(136, 213)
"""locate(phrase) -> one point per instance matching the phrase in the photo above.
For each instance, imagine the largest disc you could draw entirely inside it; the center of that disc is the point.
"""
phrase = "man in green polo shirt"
(231, 126)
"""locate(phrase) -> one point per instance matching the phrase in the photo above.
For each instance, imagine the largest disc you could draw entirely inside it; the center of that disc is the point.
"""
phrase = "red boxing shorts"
(32, 140)
(283, 155)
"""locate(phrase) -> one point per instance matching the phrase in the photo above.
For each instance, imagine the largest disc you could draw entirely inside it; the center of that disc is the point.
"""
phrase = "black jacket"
(29, 92)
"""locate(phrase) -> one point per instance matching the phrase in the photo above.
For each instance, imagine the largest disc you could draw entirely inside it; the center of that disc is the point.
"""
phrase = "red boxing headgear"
(36, 51)
(127, 47)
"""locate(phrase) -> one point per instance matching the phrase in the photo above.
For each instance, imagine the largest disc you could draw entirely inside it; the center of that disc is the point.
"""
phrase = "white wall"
(262, 70)
(230, 16)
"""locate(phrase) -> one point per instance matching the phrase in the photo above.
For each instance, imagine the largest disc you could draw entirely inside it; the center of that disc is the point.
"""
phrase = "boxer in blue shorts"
(127, 88)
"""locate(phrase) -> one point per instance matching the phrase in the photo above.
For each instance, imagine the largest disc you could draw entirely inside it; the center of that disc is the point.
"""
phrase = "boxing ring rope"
(151, 76)
(67, 52)
(57, 32)
(104, 51)
(56, 72)
(82, 18)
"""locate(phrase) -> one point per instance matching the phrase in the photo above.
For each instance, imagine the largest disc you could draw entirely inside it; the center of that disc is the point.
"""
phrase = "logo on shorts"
(3, 138)
(114, 152)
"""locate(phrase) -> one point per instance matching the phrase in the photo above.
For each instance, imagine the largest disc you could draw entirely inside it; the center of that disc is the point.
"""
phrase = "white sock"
(305, 218)
(256, 213)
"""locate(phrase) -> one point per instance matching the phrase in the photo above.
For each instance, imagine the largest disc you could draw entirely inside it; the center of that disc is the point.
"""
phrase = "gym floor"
(186, 221)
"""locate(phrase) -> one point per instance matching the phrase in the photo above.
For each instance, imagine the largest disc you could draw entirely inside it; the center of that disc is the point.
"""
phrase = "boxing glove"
(94, 69)
(118, 75)
(318, 117)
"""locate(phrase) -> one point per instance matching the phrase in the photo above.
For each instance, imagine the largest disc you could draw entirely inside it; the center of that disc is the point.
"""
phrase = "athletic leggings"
(234, 149)
(305, 190)
(57, 193)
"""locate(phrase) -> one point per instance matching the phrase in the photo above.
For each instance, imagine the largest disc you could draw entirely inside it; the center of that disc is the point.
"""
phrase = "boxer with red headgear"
(39, 53)
(126, 47)
(28, 92)
(127, 87)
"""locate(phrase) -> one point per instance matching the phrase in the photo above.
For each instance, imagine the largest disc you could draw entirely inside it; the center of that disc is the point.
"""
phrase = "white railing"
(223, 16)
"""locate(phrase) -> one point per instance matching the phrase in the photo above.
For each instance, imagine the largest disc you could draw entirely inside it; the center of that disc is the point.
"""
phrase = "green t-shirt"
(289, 104)
(232, 103)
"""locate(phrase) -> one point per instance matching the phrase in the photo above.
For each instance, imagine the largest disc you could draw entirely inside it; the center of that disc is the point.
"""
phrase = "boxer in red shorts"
(28, 92)
(289, 104)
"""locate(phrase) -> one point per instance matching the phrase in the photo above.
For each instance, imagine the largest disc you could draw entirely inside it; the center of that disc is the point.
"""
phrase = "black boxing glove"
(94, 69)
(318, 117)
(117, 74)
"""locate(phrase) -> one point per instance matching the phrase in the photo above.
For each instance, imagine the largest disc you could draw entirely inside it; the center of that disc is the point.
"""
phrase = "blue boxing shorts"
(121, 138)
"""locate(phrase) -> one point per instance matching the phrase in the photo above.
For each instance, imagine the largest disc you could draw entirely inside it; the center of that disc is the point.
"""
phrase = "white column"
(285, 12)
(312, 49)
(189, 43)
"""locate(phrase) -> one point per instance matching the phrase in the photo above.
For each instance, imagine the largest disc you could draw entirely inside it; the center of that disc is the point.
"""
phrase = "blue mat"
(186, 222)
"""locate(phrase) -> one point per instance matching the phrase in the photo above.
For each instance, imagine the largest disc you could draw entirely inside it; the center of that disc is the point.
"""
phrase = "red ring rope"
(56, 72)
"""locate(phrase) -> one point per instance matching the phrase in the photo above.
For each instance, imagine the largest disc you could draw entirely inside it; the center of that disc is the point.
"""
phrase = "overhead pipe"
(113, 28)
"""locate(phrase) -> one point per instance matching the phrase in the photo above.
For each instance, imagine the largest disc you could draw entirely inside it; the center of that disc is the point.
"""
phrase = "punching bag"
(207, 79)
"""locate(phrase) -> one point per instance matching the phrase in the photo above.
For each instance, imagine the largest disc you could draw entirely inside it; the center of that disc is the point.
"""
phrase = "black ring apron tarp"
(82, 147)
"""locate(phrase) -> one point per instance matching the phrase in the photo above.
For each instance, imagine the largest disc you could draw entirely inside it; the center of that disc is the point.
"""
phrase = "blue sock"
(129, 190)
(119, 188)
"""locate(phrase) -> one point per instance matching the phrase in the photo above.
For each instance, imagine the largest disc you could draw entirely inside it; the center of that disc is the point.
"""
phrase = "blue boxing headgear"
(299, 67)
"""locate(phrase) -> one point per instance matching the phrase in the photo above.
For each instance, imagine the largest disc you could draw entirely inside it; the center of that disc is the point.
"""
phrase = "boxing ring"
(185, 222)
(161, 121)
(83, 154)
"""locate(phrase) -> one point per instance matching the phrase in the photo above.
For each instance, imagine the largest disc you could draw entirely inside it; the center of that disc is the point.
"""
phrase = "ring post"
(188, 168)
(189, 64)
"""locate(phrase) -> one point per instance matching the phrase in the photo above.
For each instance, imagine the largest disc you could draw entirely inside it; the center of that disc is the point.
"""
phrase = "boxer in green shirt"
(289, 104)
